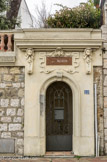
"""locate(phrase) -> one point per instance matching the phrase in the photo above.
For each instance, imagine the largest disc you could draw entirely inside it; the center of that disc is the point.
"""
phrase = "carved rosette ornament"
(30, 58)
(88, 59)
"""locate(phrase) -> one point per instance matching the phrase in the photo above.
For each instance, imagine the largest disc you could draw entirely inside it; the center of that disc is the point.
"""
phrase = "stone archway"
(76, 111)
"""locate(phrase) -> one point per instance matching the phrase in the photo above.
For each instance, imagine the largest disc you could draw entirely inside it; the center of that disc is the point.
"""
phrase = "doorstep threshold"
(59, 154)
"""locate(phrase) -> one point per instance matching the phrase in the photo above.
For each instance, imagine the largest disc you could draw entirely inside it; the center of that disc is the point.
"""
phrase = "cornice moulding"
(65, 44)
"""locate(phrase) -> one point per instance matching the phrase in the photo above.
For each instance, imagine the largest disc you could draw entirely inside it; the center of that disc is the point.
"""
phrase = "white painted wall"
(25, 16)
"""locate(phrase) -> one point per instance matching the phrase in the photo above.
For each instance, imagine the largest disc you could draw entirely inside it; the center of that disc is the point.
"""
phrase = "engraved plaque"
(59, 61)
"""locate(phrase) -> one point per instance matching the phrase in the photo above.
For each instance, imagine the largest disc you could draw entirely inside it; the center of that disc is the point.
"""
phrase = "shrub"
(86, 15)
(5, 23)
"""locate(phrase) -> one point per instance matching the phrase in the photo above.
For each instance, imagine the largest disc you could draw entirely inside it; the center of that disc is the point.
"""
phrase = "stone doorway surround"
(31, 49)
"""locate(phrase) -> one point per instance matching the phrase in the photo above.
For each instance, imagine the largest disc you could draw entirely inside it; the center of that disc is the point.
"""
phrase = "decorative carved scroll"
(30, 58)
(88, 59)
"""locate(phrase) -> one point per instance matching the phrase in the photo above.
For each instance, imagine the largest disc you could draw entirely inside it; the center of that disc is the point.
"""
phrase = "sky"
(50, 4)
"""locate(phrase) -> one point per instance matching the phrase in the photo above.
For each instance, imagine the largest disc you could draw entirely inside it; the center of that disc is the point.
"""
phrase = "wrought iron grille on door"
(58, 112)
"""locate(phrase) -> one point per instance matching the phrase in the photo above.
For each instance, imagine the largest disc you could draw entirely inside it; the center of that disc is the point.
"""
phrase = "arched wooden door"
(59, 117)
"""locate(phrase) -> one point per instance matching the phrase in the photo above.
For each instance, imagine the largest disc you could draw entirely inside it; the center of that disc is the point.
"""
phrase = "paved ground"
(76, 159)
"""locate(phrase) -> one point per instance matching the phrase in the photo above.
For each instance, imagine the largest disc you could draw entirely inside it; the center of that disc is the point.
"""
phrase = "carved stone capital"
(30, 58)
(88, 59)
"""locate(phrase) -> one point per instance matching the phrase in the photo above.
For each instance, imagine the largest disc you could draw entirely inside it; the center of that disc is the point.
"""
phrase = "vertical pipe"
(96, 128)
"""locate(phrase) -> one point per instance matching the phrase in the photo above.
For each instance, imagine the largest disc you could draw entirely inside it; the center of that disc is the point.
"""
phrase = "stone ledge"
(7, 57)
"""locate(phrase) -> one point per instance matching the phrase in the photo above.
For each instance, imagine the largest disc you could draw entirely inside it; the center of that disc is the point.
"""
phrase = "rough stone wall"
(98, 78)
(12, 105)
(105, 97)
(104, 37)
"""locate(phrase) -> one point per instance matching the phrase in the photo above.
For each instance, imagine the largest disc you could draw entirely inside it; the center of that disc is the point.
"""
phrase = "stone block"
(23, 70)
(105, 132)
(2, 85)
(20, 134)
(20, 93)
(16, 85)
(105, 147)
(105, 81)
(4, 102)
(22, 85)
(20, 142)
(14, 102)
(3, 127)
(19, 78)
(2, 93)
(7, 146)
(7, 57)
(11, 92)
(105, 138)
(8, 84)
(20, 151)
(2, 112)
(6, 119)
(105, 102)
(20, 112)
(0, 78)
(15, 70)
(105, 63)
(15, 127)
(8, 78)
(3, 70)
(11, 112)
(105, 91)
(6, 135)
(17, 119)
(105, 123)
(105, 71)
(105, 55)
(22, 102)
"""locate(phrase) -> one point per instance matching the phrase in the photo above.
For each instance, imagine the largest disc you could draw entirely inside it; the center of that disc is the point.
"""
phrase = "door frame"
(73, 84)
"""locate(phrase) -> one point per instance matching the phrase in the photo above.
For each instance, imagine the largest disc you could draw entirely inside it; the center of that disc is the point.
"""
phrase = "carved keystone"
(88, 59)
(59, 75)
(30, 58)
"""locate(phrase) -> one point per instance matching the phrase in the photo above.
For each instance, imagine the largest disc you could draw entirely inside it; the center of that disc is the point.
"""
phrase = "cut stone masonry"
(12, 106)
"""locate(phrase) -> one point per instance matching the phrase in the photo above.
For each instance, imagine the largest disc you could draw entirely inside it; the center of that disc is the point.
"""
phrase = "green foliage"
(3, 5)
(78, 157)
(96, 2)
(86, 15)
(4, 22)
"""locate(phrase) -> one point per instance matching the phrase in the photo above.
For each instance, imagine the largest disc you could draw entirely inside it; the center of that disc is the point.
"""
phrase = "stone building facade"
(32, 64)
(54, 71)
